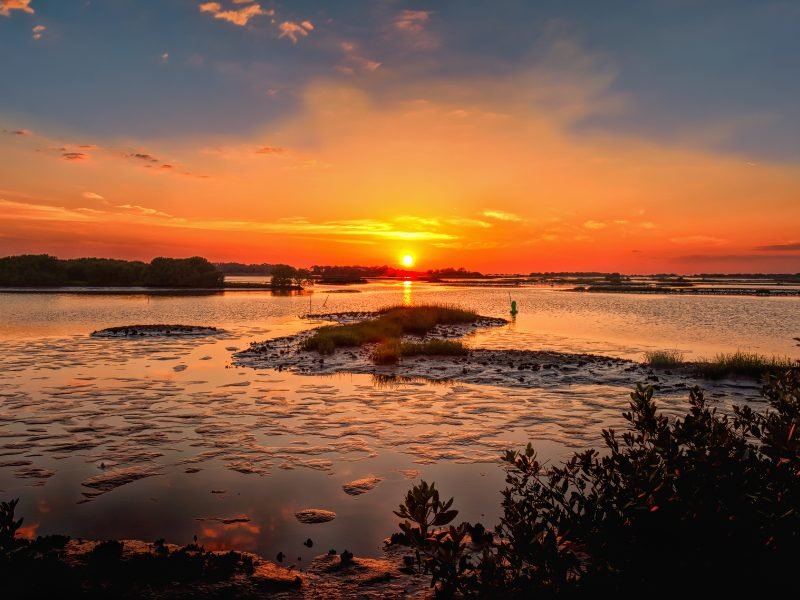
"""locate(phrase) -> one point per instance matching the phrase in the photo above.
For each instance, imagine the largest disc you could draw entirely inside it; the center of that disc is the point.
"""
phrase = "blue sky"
(97, 67)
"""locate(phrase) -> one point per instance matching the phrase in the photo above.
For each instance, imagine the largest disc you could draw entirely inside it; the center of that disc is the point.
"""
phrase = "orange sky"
(489, 172)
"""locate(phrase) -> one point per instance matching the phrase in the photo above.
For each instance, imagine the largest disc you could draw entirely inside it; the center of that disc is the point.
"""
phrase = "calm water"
(163, 438)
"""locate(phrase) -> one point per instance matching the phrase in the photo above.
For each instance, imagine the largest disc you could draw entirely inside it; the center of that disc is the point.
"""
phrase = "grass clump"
(391, 324)
(663, 359)
(433, 348)
(387, 353)
(748, 364)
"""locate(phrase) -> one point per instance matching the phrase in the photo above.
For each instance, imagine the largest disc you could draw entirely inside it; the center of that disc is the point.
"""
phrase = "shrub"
(706, 503)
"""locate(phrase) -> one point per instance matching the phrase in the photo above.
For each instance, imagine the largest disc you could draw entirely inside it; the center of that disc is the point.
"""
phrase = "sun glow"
(407, 260)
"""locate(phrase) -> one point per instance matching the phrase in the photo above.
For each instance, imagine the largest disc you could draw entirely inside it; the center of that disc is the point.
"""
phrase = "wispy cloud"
(354, 61)
(149, 158)
(595, 225)
(92, 196)
(413, 24)
(237, 16)
(270, 150)
(144, 211)
(699, 240)
(294, 31)
(38, 31)
(6, 6)
(347, 229)
(17, 131)
(466, 222)
(501, 216)
(788, 247)
(75, 156)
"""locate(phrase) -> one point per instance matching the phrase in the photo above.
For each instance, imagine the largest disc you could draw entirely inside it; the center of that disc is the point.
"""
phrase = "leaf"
(444, 518)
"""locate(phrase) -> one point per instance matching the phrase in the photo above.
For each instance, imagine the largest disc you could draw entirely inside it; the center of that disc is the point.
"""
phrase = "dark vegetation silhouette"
(41, 270)
(43, 568)
(707, 504)
(285, 276)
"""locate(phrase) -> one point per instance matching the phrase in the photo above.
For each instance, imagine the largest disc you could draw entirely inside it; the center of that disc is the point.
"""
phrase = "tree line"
(42, 270)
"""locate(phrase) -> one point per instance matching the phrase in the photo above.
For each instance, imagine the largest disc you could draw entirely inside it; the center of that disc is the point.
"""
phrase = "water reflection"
(279, 442)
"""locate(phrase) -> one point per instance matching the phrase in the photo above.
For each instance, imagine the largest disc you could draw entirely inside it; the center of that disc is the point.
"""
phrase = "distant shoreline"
(682, 291)
(154, 291)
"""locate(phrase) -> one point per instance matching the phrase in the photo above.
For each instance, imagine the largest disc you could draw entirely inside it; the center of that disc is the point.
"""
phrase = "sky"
(504, 136)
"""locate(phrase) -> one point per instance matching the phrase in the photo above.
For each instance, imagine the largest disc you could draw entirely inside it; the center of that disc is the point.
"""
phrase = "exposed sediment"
(127, 331)
(505, 368)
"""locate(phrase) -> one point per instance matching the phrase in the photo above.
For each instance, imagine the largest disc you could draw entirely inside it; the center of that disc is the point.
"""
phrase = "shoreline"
(150, 291)
(525, 369)
(132, 568)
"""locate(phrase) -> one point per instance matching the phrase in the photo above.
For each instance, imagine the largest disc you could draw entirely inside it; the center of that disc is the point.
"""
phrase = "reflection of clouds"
(230, 536)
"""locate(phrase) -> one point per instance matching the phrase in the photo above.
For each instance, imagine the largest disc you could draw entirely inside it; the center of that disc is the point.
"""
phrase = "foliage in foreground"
(40, 568)
(704, 503)
(387, 328)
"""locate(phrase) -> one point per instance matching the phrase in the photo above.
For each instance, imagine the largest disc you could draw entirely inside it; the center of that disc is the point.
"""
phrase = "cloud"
(780, 247)
(354, 61)
(142, 156)
(413, 21)
(240, 16)
(75, 156)
(501, 216)
(459, 222)
(351, 230)
(413, 25)
(38, 31)
(144, 211)
(164, 57)
(18, 131)
(270, 150)
(26, 211)
(92, 196)
(294, 31)
(6, 6)
(595, 225)
(705, 240)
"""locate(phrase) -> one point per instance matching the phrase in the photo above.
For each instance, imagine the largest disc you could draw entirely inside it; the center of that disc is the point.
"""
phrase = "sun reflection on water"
(407, 289)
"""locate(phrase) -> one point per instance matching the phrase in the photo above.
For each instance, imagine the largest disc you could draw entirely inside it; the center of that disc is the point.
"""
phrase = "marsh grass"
(739, 363)
(389, 326)
(433, 348)
(743, 363)
(663, 358)
(387, 353)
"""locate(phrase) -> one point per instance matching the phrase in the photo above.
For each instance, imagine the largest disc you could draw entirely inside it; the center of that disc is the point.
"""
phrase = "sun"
(407, 260)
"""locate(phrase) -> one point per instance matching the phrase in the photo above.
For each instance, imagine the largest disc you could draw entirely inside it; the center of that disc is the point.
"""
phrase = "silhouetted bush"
(42, 568)
(704, 504)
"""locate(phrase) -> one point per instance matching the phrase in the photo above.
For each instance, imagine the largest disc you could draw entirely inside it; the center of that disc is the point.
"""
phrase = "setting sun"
(407, 260)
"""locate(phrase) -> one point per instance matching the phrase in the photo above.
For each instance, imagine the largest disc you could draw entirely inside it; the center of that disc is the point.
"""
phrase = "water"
(229, 453)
